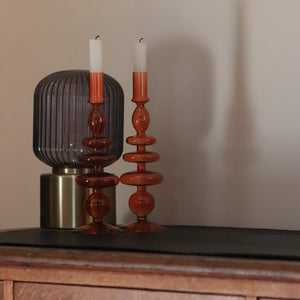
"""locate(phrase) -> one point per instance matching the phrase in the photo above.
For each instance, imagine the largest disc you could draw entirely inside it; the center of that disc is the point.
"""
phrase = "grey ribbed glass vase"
(61, 112)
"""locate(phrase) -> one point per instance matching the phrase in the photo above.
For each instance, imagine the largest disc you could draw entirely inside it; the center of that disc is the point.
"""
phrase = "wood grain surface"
(124, 272)
(1, 291)
(8, 290)
(35, 291)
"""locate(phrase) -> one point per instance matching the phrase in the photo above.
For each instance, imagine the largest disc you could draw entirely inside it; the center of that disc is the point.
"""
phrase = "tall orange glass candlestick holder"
(97, 204)
(141, 202)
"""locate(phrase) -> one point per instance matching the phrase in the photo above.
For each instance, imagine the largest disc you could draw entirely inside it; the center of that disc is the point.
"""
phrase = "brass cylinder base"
(62, 200)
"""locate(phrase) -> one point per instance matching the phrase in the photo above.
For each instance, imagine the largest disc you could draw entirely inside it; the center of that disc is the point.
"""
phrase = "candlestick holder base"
(97, 228)
(97, 204)
(143, 226)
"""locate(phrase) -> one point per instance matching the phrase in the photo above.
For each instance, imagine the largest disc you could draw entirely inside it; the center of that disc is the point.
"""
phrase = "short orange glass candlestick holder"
(141, 202)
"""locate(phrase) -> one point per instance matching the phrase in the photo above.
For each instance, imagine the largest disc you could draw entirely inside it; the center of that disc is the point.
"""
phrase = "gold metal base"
(62, 200)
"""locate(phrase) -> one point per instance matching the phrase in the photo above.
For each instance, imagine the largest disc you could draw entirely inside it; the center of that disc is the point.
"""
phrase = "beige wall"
(224, 90)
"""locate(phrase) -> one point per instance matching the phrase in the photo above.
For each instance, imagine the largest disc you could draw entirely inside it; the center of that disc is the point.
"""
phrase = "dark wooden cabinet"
(48, 273)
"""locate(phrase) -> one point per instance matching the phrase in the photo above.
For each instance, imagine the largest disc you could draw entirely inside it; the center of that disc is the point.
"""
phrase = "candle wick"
(97, 37)
(140, 39)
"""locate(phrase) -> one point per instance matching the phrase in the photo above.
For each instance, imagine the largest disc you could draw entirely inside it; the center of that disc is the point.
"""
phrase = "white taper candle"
(96, 56)
(140, 57)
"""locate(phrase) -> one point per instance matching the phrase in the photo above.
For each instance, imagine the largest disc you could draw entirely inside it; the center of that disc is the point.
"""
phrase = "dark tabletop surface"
(188, 240)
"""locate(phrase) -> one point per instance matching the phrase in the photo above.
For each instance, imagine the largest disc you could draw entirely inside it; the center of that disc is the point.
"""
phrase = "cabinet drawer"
(36, 291)
(279, 298)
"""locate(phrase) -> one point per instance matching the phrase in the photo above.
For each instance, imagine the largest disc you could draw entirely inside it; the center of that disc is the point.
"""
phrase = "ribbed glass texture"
(61, 111)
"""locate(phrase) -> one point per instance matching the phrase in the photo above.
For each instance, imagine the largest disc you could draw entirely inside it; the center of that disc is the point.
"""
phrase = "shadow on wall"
(181, 106)
(180, 91)
(239, 147)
